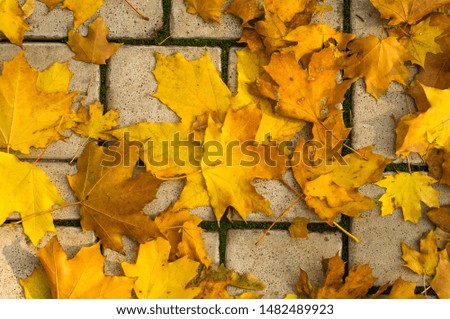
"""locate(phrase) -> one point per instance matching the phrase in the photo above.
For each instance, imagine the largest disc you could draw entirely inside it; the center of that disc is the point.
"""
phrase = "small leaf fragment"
(299, 227)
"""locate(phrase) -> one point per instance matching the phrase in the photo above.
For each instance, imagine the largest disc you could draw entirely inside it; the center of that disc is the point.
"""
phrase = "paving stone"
(186, 25)
(113, 259)
(365, 19)
(335, 17)
(381, 238)
(122, 21)
(18, 257)
(131, 82)
(86, 77)
(277, 261)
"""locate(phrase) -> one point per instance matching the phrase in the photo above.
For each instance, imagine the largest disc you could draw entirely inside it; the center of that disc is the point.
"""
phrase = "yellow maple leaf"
(81, 277)
(325, 185)
(181, 229)
(407, 190)
(26, 189)
(314, 37)
(228, 173)
(55, 78)
(381, 62)
(431, 126)
(82, 9)
(410, 11)
(30, 117)
(11, 21)
(215, 281)
(93, 123)
(181, 157)
(404, 290)
(37, 286)
(287, 9)
(156, 277)
(422, 262)
(273, 127)
(421, 40)
(245, 9)
(94, 48)
(208, 10)
(195, 81)
(441, 281)
(356, 285)
(299, 227)
(308, 94)
(112, 196)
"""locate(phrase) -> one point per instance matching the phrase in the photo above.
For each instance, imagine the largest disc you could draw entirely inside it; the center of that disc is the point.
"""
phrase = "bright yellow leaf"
(26, 189)
(273, 127)
(94, 48)
(55, 79)
(82, 276)
(82, 9)
(410, 11)
(286, 9)
(407, 190)
(441, 281)
(431, 126)
(421, 40)
(181, 229)
(381, 62)
(422, 262)
(156, 277)
(404, 290)
(29, 117)
(93, 123)
(245, 9)
(208, 10)
(229, 171)
(299, 227)
(314, 37)
(11, 21)
(191, 88)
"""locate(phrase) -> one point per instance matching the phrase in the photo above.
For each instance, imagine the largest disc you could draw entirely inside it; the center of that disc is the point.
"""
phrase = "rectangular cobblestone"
(381, 238)
(86, 78)
(277, 261)
(18, 257)
(121, 20)
(184, 25)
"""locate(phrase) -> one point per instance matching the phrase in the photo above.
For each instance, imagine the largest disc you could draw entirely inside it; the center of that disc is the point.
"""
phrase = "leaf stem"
(43, 213)
(277, 219)
(137, 11)
(347, 233)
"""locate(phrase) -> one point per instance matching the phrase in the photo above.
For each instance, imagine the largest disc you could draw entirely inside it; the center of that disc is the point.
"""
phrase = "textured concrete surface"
(277, 261)
(131, 82)
(18, 257)
(121, 20)
(381, 238)
(185, 25)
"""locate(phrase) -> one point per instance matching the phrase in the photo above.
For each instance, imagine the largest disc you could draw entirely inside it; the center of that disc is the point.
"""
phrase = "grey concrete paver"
(113, 259)
(381, 238)
(277, 261)
(18, 257)
(185, 25)
(121, 20)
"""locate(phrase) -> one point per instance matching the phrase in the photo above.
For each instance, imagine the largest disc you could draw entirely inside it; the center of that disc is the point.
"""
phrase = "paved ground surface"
(126, 83)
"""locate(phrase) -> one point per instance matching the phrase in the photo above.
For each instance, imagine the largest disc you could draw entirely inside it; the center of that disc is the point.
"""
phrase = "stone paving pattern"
(128, 85)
